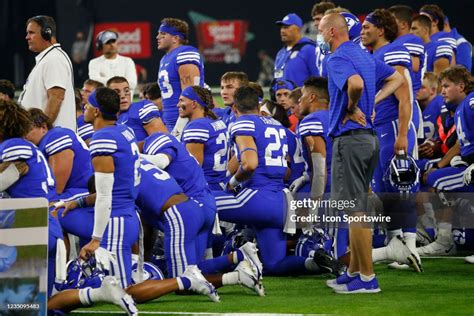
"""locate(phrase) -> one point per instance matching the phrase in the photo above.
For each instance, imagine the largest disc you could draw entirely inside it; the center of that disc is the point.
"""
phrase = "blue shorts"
(449, 179)
(387, 135)
(119, 237)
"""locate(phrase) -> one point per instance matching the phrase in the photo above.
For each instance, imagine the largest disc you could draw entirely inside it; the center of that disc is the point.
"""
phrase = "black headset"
(46, 27)
(98, 40)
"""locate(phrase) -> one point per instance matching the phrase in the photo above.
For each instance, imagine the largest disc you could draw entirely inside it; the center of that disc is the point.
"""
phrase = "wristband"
(246, 149)
(81, 202)
(234, 182)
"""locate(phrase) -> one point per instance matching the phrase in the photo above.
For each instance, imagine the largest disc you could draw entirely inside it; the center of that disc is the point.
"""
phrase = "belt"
(358, 132)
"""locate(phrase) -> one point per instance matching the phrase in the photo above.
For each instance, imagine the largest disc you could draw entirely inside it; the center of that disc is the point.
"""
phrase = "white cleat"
(249, 278)
(250, 252)
(398, 251)
(113, 293)
(398, 266)
(437, 248)
(469, 259)
(199, 284)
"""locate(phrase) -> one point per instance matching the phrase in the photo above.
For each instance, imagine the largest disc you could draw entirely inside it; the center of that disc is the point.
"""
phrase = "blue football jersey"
(295, 153)
(436, 50)
(392, 55)
(297, 65)
(317, 124)
(463, 118)
(430, 115)
(38, 181)
(169, 81)
(183, 167)
(272, 148)
(464, 50)
(84, 130)
(446, 38)
(416, 48)
(59, 139)
(214, 136)
(138, 114)
(156, 187)
(119, 142)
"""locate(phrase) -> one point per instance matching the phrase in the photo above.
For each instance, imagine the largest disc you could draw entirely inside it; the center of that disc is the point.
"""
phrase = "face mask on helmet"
(402, 175)
(82, 274)
(311, 241)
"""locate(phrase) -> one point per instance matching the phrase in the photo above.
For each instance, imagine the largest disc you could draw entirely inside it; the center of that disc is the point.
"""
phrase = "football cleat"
(112, 292)
(249, 250)
(422, 237)
(437, 248)
(249, 278)
(398, 251)
(327, 264)
(199, 284)
(469, 259)
(358, 286)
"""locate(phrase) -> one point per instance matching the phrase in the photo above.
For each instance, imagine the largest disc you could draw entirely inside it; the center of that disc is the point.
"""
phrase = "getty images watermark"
(329, 204)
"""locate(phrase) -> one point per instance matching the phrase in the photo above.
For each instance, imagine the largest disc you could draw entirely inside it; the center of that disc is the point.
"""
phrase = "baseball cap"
(291, 19)
(108, 36)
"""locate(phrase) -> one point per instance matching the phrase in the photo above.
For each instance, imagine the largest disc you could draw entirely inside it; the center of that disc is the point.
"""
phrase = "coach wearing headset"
(49, 85)
(111, 64)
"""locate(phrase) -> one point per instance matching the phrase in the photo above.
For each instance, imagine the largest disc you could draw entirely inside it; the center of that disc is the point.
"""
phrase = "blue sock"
(216, 265)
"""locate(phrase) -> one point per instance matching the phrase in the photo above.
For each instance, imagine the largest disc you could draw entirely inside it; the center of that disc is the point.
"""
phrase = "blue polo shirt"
(348, 60)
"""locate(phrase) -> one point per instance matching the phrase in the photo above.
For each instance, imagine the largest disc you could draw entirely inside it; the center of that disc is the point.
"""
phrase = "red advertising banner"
(222, 41)
(134, 38)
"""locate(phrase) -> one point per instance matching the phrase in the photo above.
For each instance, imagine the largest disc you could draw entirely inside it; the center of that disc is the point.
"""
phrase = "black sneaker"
(328, 264)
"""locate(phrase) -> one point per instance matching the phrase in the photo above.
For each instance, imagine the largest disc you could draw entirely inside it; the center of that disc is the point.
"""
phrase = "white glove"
(298, 183)
(468, 175)
(104, 258)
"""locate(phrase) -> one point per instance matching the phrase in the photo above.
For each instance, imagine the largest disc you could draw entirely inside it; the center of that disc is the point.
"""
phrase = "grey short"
(354, 159)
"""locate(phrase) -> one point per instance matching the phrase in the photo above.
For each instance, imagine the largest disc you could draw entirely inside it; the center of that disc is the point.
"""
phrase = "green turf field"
(445, 288)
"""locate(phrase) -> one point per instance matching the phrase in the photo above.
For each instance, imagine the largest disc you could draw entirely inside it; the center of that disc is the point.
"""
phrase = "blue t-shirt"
(349, 59)
(59, 139)
(138, 114)
(393, 55)
(183, 167)
(156, 187)
(39, 180)
(316, 124)
(464, 118)
(214, 136)
(436, 50)
(430, 115)
(295, 151)
(272, 148)
(416, 48)
(169, 80)
(119, 142)
(84, 130)
(296, 65)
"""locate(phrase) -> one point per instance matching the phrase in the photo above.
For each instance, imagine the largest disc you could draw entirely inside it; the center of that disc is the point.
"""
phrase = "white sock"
(410, 239)
(379, 254)
(208, 254)
(230, 278)
(445, 231)
(88, 296)
(367, 278)
(353, 274)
